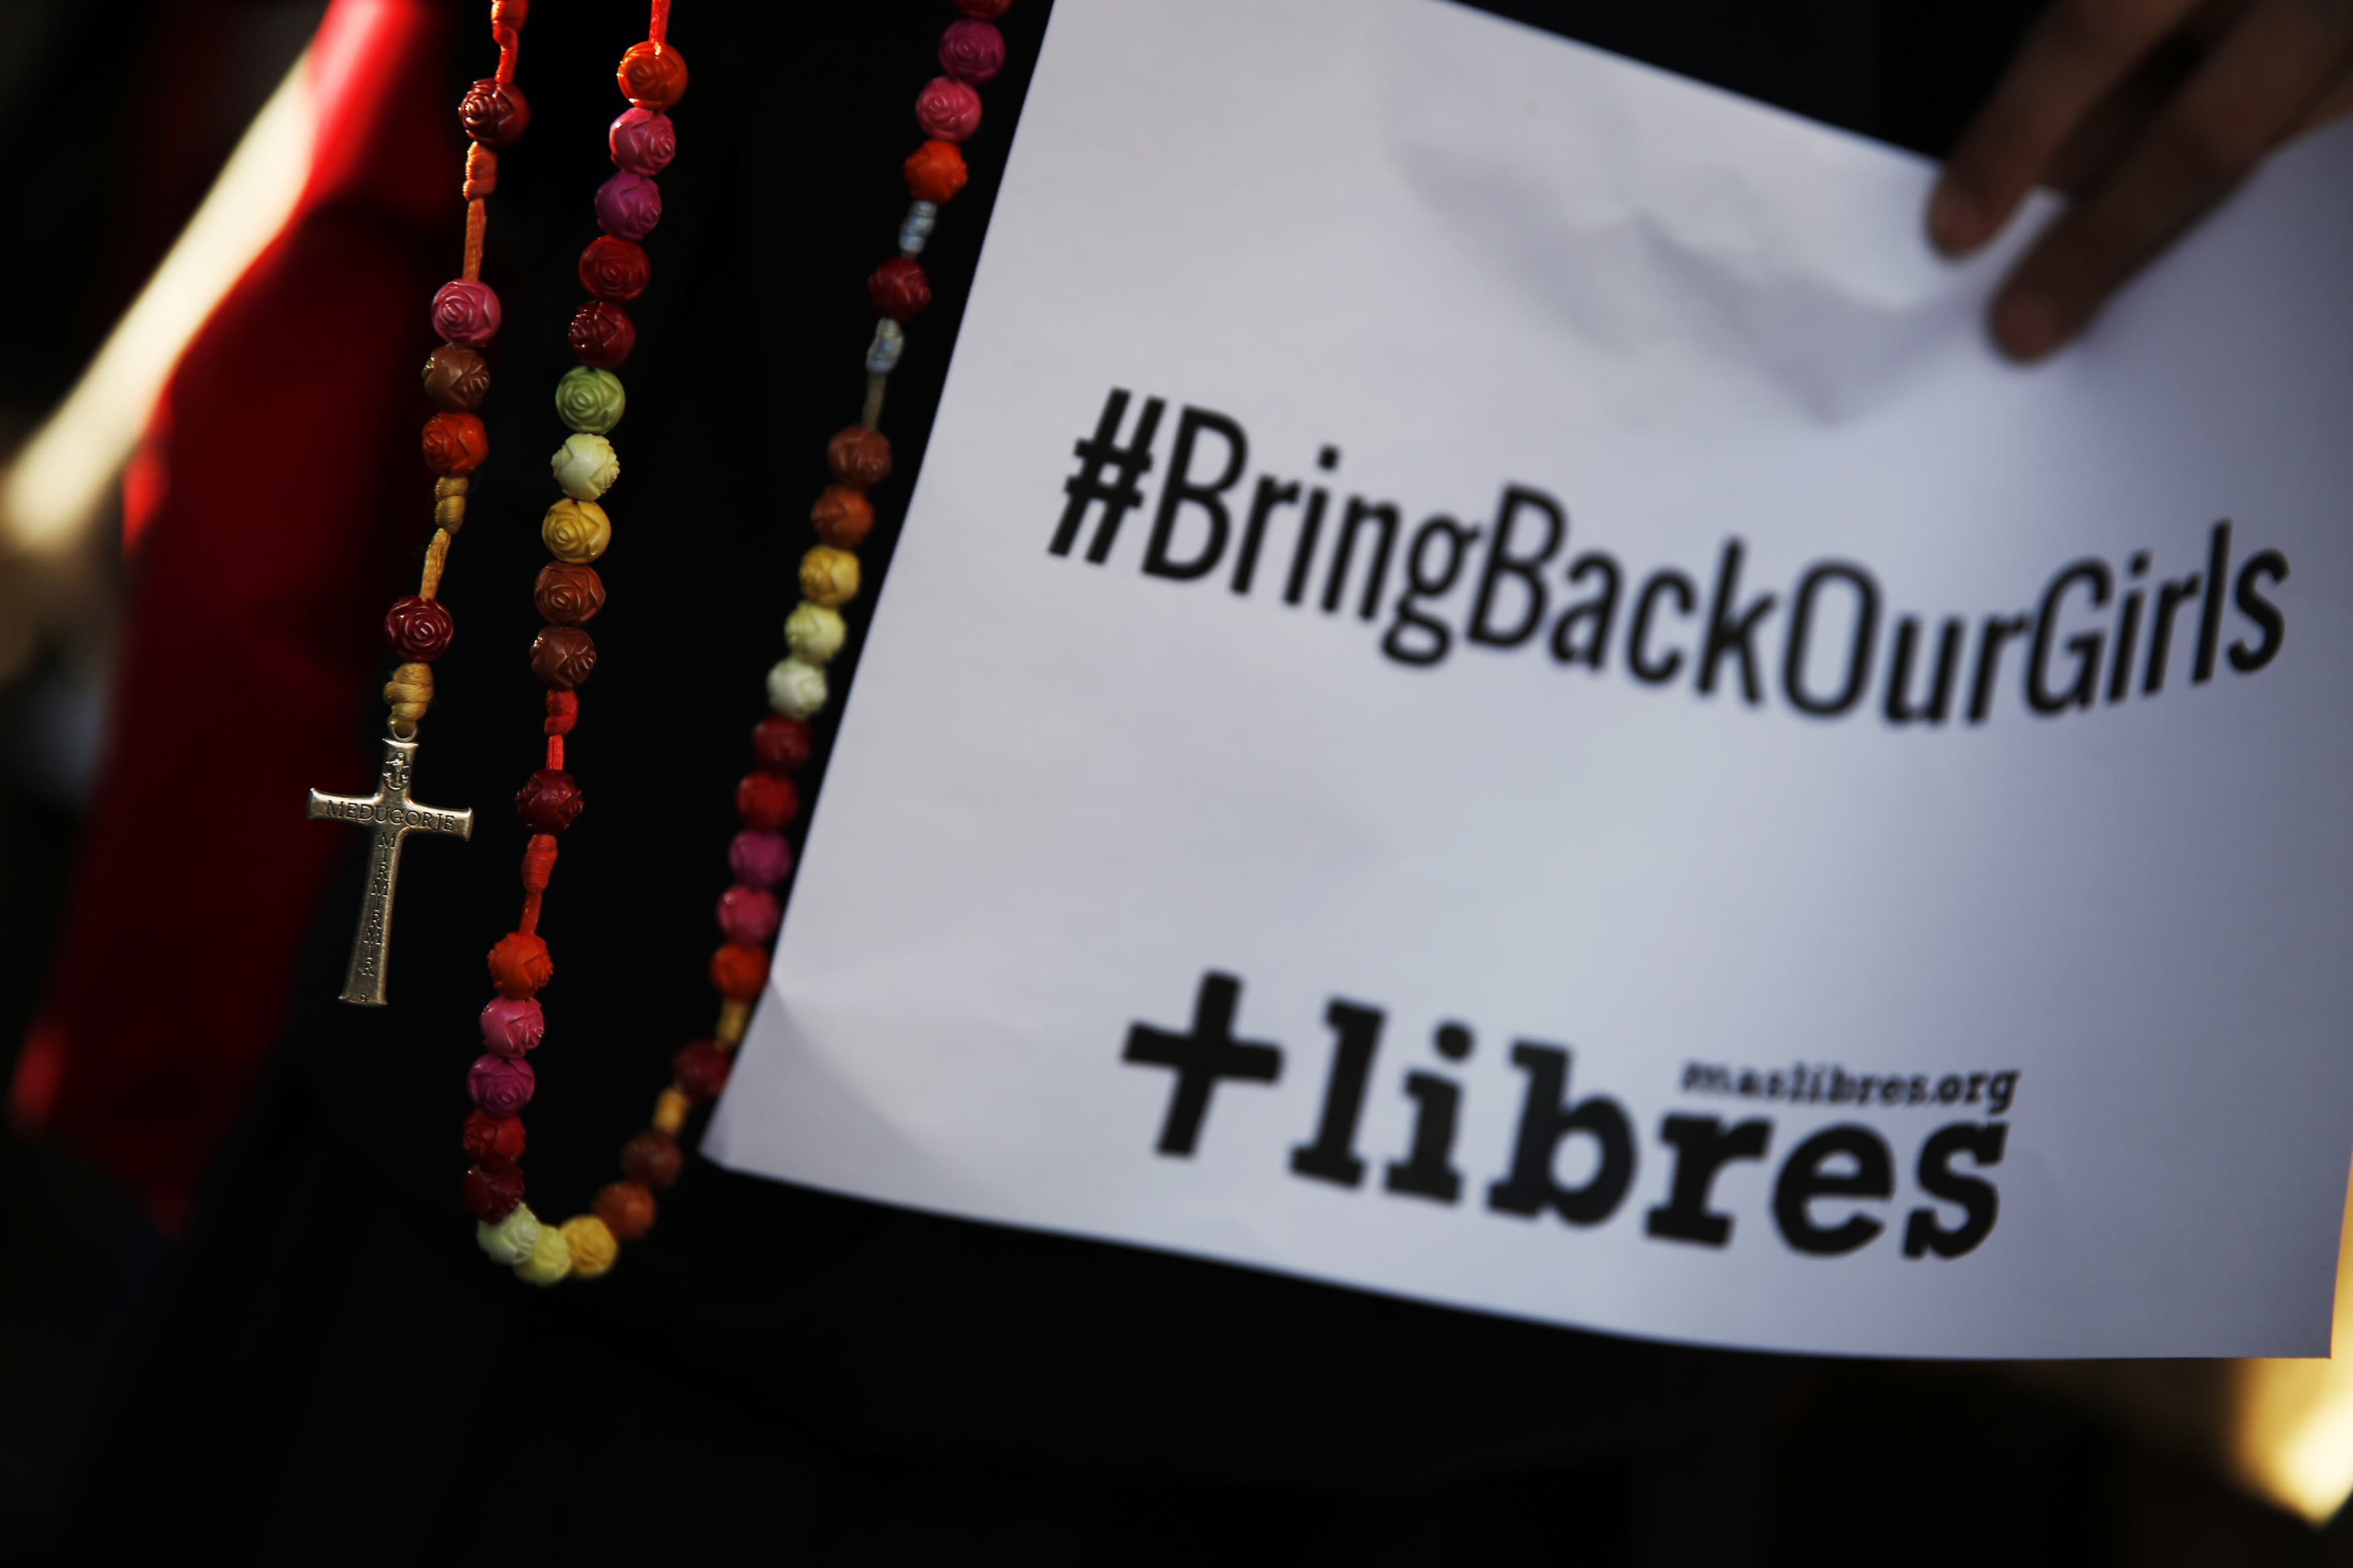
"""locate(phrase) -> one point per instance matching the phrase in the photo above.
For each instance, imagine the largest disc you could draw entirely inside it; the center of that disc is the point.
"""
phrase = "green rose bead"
(589, 401)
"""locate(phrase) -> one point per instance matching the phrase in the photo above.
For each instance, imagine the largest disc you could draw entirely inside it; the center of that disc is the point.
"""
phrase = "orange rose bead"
(652, 76)
(455, 443)
(739, 972)
(627, 1209)
(937, 173)
(520, 965)
(843, 516)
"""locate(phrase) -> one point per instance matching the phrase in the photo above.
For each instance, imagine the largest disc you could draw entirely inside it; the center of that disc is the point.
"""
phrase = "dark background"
(325, 1362)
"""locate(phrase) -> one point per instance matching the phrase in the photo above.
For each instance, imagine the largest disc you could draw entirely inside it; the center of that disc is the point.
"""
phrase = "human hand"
(2151, 111)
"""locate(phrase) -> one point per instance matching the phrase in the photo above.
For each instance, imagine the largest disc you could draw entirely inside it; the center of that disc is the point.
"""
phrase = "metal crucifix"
(392, 817)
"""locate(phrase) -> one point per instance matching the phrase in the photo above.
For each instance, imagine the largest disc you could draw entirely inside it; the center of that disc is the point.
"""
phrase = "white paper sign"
(1615, 766)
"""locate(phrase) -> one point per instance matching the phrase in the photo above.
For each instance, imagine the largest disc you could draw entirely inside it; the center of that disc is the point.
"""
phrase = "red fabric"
(287, 432)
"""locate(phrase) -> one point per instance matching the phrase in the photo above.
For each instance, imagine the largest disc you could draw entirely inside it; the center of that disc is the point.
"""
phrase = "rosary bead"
(651, 1158)
(489, 1137)
(701, 1070)
(643, 141)
(585, 467)
(947, 110)
(899, 288)
(935, 173)
(627, 1209)
(499, 1085)
(652, 76)
(890, 342)
(843, 516)
(592, 1244)
(983, 10)
(628, 205)
(760, 858)
(602, 335)
(669, 1112)
(782, 745)
(492, 1190)
(614, 270)
(550, 1259)
(510, 1241)
(813, 633)
(465, 313)
(549, 801)
(566, 594)
(797, 689)
(737, 971)
(858, 457)
(418, 628)
(915, 228)
(829, 576)
(455, 443)
(520, 966)
(513, 1025)
(456, 378)
(494, 113)
(767, 801)
(563, 657)
(748, 914)
(972, 50)
(575, 531)
(589, 401)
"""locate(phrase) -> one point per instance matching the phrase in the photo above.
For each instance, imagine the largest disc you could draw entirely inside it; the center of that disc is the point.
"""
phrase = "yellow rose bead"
(550, 1259)
(797, 689)
(829, 577)
(576, 530)
(510, 1241)
(592, 1244)
(815, 633)
(669, 1112)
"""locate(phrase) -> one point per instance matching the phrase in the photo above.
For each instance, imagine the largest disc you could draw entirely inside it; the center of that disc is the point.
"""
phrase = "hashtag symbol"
(1086, 487)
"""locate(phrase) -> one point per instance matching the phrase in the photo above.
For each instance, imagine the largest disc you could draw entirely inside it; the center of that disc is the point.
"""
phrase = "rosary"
(568, 594)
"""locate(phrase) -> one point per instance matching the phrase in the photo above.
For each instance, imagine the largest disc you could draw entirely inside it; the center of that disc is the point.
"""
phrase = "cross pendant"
(390, 816)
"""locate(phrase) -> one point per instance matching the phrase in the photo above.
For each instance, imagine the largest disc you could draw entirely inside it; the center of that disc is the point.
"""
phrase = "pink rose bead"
(760, 858)
(947, 110)
(749, 915)
(643, 141)
(628, 205)
(466, 313)
(512, 1026)
(972, 51)
(498, 1086)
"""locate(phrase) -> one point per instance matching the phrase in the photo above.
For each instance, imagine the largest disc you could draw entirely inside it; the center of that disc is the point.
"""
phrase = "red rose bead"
(738, 972)
(627, 1209)
(493, 114)
(972, 50)
(492, 1189)
(748, 914)
(651, 1157)
(935, 173)
(780, 744)
(948, 110)
(563, 657)
(489, 1138)
(418, 628)
(614, 270)
(549, 801)
(858, 457)
(899, 288)
(567, 593)
(652, 76)
(456, 378)
(766, 800)
(455, 443)
(701, 1070)
(983, 10)
(520, 965)
(602, 335)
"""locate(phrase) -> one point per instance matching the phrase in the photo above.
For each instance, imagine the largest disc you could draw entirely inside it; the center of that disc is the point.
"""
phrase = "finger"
(2071, 59)
(2254, 89)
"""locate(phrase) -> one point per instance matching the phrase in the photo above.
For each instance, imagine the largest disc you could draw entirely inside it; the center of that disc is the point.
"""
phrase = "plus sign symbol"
(1201, 1060)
